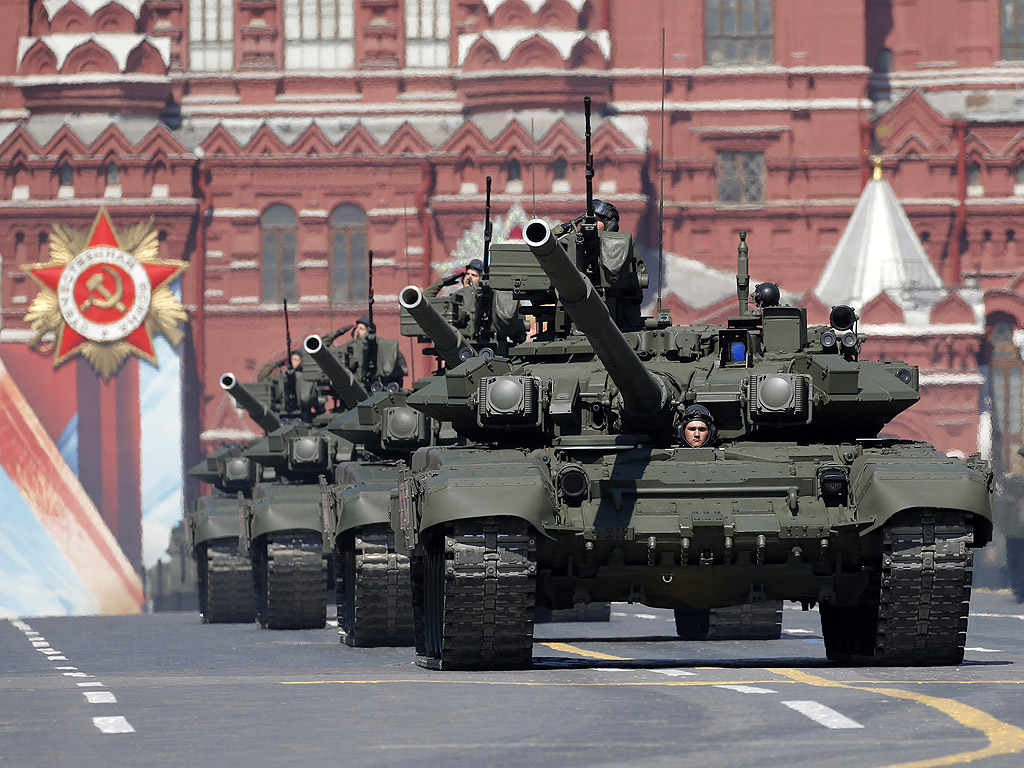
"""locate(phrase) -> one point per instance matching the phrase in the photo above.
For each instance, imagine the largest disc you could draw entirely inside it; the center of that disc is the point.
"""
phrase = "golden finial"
(876, 172)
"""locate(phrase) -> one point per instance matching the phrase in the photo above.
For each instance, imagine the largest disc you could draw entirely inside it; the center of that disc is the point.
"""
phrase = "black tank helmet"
(697, 412)
(607, 213)
(475, 264)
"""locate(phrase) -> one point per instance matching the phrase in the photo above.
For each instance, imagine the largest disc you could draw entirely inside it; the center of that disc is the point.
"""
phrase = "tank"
(372, 584)
(223, 571)
(581, 486)
(280, 525)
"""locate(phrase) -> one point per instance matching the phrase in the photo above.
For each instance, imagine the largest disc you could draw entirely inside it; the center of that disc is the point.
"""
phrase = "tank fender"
(216, 517)
(285, 508)
(881, 489)
(363, 505)
(520, 490)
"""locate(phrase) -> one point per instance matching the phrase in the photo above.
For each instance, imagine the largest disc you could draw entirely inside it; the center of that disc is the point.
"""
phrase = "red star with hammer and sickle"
(158, 274)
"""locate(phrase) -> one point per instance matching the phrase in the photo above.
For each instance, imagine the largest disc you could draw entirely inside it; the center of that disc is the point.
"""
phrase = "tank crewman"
(373, 360)
(607, 216)
(697, 427)
(468, 277)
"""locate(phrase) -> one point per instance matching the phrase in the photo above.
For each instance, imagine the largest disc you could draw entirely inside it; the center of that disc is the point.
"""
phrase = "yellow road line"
(566, 648)
(1003, 738)
(543, 684)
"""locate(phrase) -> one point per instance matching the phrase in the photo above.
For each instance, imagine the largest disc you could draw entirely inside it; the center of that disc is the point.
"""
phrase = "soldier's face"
(472, 277)
(695, 434)
(296, 360)
(359, 331)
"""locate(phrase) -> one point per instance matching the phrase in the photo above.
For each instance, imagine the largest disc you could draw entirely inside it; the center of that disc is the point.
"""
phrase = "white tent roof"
(879, 252)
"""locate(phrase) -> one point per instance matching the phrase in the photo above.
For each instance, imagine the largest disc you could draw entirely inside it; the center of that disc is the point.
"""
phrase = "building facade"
(278, 143)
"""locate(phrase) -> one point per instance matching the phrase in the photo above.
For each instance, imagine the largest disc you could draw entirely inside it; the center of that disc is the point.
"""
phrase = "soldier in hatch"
(375, 362)
(469, 277)
(697, 427)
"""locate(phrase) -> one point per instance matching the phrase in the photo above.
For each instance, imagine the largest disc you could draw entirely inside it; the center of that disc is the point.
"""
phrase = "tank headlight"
(828, 340)
(904, 375)
(402, 427)
(308, 452)
(848, 340)
(573, 483)
(508, 400)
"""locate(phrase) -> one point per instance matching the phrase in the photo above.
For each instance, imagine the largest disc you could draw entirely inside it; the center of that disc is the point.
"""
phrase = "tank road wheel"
(479, 594)
(373, 589)
(291, 579)
(1015, 566)
(224, 577)
(917, 614)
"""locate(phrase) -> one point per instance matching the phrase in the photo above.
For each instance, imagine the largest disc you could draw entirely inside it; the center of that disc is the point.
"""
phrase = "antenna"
(743, 273)
(487, 230)
(661, 181)
(590, 159)
(408, 280)
(533, 167)
(287, 335)
(369, 284)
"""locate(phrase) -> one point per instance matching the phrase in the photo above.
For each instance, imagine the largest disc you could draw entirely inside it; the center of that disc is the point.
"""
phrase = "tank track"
(916, 615)
(478, 583)
(224, 576)
(374, 594)
(291, 582)
(750, 621)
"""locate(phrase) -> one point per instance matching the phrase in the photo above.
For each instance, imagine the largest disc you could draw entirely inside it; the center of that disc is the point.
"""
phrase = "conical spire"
(879, 252)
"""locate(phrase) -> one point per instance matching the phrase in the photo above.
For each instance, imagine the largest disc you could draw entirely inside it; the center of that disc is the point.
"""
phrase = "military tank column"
(281, 526)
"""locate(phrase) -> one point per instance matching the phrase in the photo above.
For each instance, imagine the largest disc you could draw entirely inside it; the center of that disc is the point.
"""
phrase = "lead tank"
(590, 493)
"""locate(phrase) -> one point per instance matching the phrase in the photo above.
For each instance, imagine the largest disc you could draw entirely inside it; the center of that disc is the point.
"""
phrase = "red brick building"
(276, 142)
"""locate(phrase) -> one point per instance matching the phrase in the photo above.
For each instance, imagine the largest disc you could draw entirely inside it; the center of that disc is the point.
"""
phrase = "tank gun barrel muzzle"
(448, 342)
(643, 394)
(345, 385)
(262, 415)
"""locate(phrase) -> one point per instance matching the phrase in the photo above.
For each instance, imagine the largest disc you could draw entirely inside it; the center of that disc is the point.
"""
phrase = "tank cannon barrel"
(345, 385)
(245, 399)
(449, 343)
(642, 393)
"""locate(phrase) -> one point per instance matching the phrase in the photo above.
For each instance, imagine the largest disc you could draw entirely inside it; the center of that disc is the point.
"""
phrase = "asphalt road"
(165, 690)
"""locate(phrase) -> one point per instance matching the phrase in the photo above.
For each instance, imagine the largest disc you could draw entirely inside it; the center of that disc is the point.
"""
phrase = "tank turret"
(643, 395)
(262, 415)
(343, 382)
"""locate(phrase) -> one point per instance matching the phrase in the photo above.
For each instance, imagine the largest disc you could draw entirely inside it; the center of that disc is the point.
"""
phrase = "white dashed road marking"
(747, 688)
(998, 615)
(822, 715)
(798, 632)
(113, 724)
(645, 615)
(674, 672)
(983, 650)
(99, 697)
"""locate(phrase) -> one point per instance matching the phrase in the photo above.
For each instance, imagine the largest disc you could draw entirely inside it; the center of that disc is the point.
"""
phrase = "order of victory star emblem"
(104, 294)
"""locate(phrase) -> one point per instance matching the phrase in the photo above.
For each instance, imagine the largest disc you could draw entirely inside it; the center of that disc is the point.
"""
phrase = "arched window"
(65, 181)
(279, 229)
(319, 34)
(427, 30)
(515, 172)
(211, 35)
(738, 32)
(974, 185)
(113, 188)
(1013, 29)
(348, 253)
